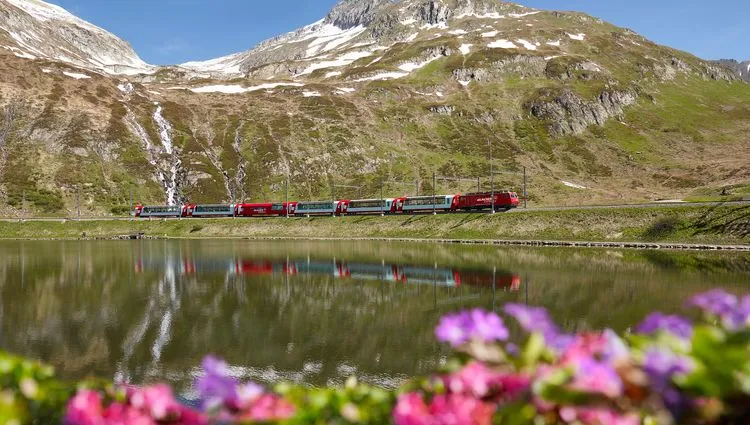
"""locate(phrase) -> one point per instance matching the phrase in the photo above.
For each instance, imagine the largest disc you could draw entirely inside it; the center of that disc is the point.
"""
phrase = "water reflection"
(337, 269)
(309, 312)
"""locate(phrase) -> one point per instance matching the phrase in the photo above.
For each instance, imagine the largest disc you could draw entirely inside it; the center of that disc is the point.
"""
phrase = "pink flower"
(269, 407)
(592, 376)
(478, 380)
(597, 416)
(460, 410)
(156, 400)
(453, 409)
(605, 346)
(411, 410)
(120, 414)
(85, 408)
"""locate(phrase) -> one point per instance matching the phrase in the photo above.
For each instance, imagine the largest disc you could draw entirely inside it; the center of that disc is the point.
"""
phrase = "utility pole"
(525, 194)
(434, 182)
(479, 184)
(333, 192)
(286, 197)
(382, 201)
(78, 201)
(131, 207)
(23, 205)
(492, 178)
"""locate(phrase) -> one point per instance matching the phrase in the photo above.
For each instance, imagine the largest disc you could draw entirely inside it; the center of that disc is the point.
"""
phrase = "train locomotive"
(503, 201)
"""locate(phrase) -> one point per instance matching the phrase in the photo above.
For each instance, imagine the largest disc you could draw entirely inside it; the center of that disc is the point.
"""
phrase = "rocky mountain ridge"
(376, 91)
(742, 68)
(34, 29)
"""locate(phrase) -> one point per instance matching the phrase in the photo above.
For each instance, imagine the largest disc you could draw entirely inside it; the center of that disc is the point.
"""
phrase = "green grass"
(685, 224)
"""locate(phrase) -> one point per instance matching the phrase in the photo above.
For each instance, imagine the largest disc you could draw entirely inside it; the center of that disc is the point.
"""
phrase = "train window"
(429, 200)
(376, 203)
(277, 207)
(315, 206)
(212, 208)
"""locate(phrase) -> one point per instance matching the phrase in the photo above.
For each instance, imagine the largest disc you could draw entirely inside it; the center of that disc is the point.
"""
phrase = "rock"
(523, 65)
(443, 109)
(569, 114)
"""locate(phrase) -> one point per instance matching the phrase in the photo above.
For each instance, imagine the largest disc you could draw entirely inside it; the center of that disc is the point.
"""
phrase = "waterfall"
(165, 134)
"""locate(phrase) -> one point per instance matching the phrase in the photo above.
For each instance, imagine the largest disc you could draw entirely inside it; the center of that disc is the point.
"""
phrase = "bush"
(670, 371)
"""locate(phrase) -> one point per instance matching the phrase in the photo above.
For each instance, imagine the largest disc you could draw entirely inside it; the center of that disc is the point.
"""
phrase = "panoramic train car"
(428, 203)
(223, 210)
(504, 200)
(161, 211)
(429, 275)
(265, 210)
(321, 208)
(375, 206)
(503, 280)
(336, 269)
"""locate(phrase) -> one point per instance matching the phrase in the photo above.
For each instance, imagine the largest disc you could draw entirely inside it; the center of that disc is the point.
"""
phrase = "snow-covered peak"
(46, 11)
(36, 29)
(350, 25)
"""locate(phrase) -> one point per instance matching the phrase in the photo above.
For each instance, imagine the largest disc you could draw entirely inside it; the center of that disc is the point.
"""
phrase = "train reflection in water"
(383, 272)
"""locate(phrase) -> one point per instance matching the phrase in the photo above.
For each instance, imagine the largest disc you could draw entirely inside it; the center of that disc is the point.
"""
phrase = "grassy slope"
(684, 137)
(724, 224)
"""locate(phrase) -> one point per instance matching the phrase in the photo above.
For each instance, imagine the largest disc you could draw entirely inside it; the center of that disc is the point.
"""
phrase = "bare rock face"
(434, 12)
(352, 13)
(741, 68)
(568, 114)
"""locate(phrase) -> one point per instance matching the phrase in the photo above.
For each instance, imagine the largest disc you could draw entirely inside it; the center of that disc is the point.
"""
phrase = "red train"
(503, 201)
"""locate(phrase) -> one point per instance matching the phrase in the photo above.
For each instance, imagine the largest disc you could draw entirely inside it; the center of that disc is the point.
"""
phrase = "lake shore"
(693, 227)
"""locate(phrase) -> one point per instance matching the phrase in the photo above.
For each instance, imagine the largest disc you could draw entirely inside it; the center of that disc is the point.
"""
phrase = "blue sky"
(176, 31)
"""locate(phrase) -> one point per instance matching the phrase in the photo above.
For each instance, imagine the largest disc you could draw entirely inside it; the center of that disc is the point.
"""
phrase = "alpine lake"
(309, 311)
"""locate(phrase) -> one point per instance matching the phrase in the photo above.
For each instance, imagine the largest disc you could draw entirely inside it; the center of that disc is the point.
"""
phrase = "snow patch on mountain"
(76, 75)
(411, 66)
(383, 76)
(342, 60)
(579, 37)
(502, 44)
(526, 44)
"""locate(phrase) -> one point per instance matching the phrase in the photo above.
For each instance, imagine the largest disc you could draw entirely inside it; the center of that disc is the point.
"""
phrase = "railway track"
(654, 205)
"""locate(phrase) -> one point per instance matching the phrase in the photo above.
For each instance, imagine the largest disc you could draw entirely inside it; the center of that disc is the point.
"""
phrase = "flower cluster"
(225, 398)
(668, 372)
(142, 406)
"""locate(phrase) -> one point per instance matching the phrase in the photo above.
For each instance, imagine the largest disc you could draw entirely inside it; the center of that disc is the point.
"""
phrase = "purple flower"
(458, 329)
(740, 315)
(216, 387)
(661, 366)
(537, 320)
(454, 329)
(488, 326)
(716, 302)
(675, 325)
(592, 376)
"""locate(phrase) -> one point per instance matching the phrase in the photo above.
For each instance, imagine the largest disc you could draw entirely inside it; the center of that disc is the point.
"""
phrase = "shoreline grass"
(723, 224)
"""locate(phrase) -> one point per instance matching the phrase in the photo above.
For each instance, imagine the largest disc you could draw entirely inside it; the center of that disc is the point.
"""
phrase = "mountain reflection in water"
(310, 312)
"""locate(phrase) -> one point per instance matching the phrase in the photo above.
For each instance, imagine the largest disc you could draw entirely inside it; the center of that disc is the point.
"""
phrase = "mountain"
(34, 29)
(742, 68)
(377, 91)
